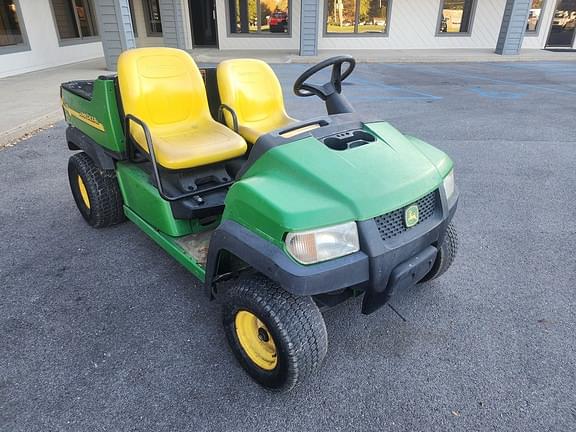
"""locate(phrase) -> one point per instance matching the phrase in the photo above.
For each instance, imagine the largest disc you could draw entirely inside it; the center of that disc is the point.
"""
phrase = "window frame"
(456, 34)
(148, 19)
(81, 39)
(533, 33)
(25, 44)
(259, 33)
(356, 33)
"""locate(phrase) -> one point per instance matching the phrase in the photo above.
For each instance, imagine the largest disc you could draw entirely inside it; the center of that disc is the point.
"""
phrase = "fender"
(77, 140)
(275, 264)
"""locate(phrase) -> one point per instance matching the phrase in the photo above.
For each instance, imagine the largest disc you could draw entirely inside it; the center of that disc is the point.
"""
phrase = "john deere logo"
(411, 215)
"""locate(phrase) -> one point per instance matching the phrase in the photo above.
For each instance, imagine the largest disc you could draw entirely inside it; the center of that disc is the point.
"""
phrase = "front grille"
(392, 224)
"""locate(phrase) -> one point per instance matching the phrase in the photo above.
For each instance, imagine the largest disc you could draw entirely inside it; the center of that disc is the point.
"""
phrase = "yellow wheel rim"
(256, 340)
(83, 192)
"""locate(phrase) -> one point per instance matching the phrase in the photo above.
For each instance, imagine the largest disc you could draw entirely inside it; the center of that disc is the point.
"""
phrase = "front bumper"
(403, 261)
(380, 267)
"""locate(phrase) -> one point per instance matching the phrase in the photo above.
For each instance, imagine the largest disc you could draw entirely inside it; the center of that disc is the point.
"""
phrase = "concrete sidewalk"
(31, 101)
(210, 55)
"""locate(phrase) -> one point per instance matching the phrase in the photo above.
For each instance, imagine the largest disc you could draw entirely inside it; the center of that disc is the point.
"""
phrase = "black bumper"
(380, 267)
(403, 261)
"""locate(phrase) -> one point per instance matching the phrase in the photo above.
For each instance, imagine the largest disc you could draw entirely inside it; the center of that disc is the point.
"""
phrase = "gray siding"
(309, 28)
(173, 31)
(513, 27)
(115, 29)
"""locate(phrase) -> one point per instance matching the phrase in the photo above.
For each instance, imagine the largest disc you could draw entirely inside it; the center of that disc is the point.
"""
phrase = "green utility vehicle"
(278, 218)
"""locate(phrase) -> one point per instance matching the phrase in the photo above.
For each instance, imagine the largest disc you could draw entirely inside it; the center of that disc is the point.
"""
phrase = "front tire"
(278, 338)
(446, 255)
(95, 191)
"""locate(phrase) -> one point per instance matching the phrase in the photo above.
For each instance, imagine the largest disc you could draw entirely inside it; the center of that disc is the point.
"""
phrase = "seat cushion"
(202, 144)
(250, 87)
(163, 88)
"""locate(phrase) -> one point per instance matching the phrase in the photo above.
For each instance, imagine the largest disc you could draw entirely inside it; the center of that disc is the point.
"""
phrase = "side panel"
(168, 244)
(99, 117)
(143, 199)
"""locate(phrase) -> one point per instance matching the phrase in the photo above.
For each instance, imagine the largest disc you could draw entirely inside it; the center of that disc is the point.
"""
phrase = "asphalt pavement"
(100, 330)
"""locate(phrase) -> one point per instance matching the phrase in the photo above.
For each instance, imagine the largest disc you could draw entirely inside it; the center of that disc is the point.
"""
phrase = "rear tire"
(446, 255)
(289, 341)
(95, 191)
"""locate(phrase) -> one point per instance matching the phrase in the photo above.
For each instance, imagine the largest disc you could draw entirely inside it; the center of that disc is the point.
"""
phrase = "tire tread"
(297, 319)
(106, 206)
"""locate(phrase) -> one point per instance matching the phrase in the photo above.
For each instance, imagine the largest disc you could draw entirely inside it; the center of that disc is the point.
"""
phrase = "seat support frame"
(224, 107)
(155, 170)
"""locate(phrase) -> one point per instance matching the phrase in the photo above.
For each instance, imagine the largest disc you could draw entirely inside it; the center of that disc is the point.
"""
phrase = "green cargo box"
(92, 107)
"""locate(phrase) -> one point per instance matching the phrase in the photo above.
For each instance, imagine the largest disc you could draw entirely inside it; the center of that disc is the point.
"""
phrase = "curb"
(24, 129)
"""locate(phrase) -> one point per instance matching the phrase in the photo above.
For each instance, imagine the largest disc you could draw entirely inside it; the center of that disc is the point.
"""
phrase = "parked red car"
(278, 22)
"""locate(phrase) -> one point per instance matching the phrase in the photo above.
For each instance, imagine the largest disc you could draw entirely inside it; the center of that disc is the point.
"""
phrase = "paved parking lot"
(101, 330)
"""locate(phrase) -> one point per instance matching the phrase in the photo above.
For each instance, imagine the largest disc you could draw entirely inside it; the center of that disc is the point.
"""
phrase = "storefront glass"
(536, 8)
(259, 16)
(74, 19)
(456, 16)
(153, 18)
(357, 16)
(10, 33)
(563, 24)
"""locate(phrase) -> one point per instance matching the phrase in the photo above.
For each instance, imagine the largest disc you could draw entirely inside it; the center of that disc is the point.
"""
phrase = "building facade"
(36, 34)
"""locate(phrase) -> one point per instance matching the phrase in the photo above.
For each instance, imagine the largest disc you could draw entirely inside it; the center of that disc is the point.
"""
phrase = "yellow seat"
(163, 87)
(250, 87)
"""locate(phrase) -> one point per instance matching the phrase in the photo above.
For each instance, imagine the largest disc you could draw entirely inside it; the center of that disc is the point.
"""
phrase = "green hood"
(304, 184)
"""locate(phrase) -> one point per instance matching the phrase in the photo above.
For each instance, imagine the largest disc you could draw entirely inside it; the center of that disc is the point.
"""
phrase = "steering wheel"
(304, 89)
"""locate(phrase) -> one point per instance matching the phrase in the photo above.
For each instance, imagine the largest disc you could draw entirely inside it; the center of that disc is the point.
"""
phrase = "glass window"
(132, 17)
(10, 33)
(74, 19)
(456, 16)
(536, 7)
(357, 16)
(152, 14)
(259, 16)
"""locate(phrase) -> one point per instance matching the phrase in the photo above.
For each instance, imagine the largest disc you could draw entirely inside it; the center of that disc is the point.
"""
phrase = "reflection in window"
(536, 7)
(563, 24)
(258, 16)
(357, 16)
(10, 33)
(85, 18)
(456, 16)
(153, 19)
(74, 19)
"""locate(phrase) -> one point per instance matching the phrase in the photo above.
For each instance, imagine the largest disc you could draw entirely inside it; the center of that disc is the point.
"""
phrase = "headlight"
(309, 247)
(449, 184)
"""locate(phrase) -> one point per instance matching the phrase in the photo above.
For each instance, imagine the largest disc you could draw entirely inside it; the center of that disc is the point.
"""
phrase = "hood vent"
(349, 139)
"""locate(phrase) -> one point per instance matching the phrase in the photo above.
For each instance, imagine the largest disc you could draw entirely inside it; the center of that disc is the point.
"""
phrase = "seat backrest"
(250, 87)
(162, 87)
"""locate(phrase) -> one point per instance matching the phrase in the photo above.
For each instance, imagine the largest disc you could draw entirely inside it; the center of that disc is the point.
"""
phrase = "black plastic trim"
(385, 256)
(273, 262)
(379, 268)
(78, 140)
(81, 88)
